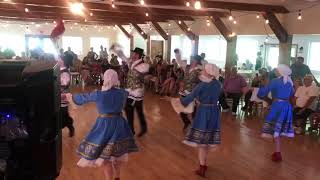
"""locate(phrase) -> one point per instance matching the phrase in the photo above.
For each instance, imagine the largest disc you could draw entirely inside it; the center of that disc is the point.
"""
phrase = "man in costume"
(191, 79)
(135, 87)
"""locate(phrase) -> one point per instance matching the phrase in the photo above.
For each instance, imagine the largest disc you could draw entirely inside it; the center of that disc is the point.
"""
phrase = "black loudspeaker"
(30, 102)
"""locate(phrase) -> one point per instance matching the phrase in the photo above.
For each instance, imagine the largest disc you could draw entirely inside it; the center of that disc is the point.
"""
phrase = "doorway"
(156, 48)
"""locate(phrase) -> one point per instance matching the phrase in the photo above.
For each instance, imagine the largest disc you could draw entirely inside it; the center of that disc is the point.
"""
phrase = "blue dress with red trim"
(110, 137)
(279, 119)
(205, 130)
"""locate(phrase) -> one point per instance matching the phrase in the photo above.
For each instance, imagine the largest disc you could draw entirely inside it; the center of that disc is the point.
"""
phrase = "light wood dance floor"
(243, 155)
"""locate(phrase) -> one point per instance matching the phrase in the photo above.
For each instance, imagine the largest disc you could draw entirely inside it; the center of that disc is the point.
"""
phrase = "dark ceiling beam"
(222, 28)
(119, 8)
(97, 14)
(219, 5)
(159, 29)
(140, 31)
(37, 20)
(53, 15)
(125, 32)
(276, 26)
(183, 26)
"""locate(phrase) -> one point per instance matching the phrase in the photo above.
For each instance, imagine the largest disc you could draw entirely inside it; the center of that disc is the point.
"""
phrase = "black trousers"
(67, 121)
(235, 100)
(300, 119)
(184, 117)
(247, 98)
(131, 105)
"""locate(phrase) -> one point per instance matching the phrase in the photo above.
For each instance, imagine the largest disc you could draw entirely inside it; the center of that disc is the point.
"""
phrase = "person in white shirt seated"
(305, 103)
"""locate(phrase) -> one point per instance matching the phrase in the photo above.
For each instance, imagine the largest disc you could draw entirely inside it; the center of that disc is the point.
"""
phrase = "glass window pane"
(273, 56)
(75, 43)
(314, 56)
(184, 44)
(34, 43)
(96, 42)
(10, 41)
(215, 48)
(48, 46)
(247, 49)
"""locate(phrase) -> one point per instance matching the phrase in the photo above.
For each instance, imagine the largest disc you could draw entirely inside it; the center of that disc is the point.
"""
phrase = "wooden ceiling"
(126, 11)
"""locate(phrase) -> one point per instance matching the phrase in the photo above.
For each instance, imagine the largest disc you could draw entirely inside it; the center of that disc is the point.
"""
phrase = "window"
(75, 43)
(314, 56)
(215, 49)
(125, 43)
(247, 49)
(14, 42)
(48, 46)
(184, 44)
(273, 56)
(96, 42)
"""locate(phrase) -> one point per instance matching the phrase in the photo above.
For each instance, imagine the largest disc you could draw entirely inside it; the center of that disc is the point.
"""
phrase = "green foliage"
(8, 53)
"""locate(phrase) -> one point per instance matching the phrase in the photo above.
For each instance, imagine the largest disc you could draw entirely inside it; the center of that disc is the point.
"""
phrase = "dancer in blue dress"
(205, 131)
(110, 140)
(279, 120)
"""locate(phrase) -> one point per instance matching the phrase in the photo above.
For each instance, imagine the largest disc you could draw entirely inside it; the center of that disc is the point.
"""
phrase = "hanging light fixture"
(300, 15)
(235, 22)
(208, 22)
(112, 4)
(179, 22)
(169, 24)
(77, 8)
(189, 29)
(258, 16)
(267, 39)
(142, 2)
(26, 10)
(91, 14)
(147, 14)
(233, 34)
(197, 5)
(188, 4)
(267, 21)
(230, 16)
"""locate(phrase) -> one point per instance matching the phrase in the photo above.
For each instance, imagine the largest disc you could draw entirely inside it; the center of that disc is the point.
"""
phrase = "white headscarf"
(285, 72)
(212, 70)
(110, 80)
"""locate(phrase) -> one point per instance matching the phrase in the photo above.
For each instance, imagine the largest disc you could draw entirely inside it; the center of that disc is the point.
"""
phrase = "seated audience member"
(255, 84)
(300, 70)
(169, 84)
(297, 83)
(114, 61)
(233, 86)
(92, 56)
(85, 69)
(305, 103)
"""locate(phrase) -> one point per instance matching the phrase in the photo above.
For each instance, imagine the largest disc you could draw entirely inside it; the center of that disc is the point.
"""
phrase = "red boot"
(276, 157)
(202, 171)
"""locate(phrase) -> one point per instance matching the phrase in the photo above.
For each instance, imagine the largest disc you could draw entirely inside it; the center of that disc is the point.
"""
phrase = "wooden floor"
(243, 155)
